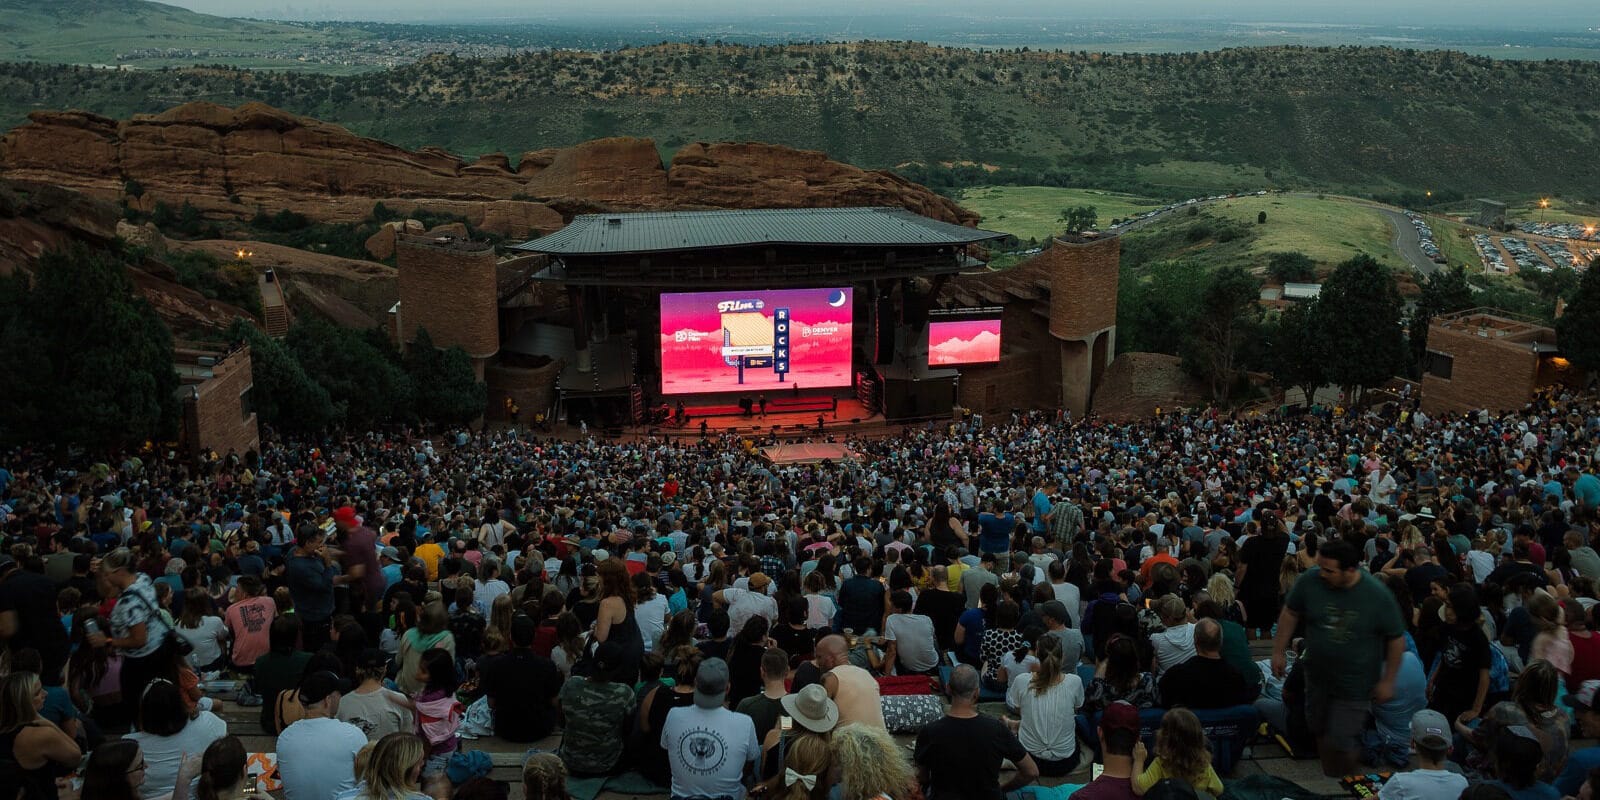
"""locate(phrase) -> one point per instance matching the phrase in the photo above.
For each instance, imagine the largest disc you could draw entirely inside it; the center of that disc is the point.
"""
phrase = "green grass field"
(1329, 231)
(1456, 249)
(1560, 210)
(1034, 211)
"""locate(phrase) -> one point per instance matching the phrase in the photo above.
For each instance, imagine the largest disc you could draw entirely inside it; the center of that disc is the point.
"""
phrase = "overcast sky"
(1499, 13)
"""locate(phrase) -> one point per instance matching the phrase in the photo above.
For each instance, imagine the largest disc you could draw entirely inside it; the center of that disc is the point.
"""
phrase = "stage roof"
(669, 231)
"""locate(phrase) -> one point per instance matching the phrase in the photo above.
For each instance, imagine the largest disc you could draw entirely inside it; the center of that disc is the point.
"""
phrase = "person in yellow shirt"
(431, 554)
(954, 571)
(1181, 754)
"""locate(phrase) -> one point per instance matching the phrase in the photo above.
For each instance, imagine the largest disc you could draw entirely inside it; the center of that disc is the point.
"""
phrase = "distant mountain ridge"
(96, 31)
(1355, 120)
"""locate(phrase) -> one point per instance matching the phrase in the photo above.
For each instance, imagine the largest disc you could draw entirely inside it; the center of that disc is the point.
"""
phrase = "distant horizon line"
(637, 21)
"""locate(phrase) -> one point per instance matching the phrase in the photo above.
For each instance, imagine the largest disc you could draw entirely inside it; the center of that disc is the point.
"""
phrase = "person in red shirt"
(1585, 645)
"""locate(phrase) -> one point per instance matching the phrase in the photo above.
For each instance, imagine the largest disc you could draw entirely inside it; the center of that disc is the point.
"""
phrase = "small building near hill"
(214, 386)
(1485, 358)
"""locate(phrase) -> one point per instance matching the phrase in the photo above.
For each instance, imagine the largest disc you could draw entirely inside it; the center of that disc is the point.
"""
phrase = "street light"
(1544, 203)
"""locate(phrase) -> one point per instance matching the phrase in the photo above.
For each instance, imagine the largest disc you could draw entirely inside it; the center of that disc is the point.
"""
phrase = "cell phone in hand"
(786, 723)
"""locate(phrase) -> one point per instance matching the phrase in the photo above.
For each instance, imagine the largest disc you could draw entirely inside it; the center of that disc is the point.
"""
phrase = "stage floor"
(848, 414)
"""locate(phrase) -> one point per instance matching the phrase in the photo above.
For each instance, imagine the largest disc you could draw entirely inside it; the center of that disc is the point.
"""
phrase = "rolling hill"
(98, 31)
(1374, 121)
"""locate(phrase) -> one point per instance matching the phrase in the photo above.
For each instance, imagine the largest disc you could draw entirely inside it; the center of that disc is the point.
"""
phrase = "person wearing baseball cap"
(316, 754)
(1585, 703)
(708, 746)
(1119, 733)
(1430, 734)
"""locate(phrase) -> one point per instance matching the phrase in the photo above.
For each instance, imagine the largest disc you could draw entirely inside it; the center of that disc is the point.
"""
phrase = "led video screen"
(967, 341)
(755, 341)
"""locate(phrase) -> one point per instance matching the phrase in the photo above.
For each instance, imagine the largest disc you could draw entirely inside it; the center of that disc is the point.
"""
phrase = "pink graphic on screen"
(707, 336)
(972, 341)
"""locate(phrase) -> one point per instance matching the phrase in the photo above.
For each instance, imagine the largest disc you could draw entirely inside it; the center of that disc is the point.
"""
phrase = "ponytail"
(221, 768)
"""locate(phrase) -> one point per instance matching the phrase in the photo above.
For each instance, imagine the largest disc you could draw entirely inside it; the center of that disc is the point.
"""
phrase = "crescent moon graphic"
(836, 299)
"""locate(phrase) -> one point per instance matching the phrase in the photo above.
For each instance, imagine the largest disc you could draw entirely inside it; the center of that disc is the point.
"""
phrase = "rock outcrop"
(232, 162)
(36, 218)
(753, 175)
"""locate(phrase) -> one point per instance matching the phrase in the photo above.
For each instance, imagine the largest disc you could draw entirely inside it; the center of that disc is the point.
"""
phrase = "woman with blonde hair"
(871, 766)
(544, 777)
(33, 751)
(1220, 588)
(393, 771)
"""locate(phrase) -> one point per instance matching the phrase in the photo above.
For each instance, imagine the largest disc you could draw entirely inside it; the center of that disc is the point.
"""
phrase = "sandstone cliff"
(230, 162)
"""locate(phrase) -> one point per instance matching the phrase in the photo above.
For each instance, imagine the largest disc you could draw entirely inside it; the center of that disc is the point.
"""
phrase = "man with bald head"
(1205, 680)
(851, 687)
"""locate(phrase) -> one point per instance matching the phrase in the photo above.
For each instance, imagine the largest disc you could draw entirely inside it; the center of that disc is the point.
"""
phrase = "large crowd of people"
(722, 626)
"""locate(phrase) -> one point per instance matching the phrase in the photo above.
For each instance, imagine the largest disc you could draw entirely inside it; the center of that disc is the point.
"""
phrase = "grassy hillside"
(1351, 120)
(96, 31)
(1226, 233)
(1033, 212)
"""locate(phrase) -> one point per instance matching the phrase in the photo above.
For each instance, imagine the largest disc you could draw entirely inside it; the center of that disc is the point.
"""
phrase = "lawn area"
(1457, 251)
(1329, 231)
(1034, 211)
(1560, 210)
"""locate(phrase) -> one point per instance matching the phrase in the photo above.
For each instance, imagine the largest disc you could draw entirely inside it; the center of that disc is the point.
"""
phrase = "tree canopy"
(88, 361)
(1358, 316)
(1578, 329)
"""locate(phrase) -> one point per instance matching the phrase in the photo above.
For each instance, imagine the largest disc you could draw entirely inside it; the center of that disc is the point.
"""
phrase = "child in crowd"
(1181, 753)
(438, 713)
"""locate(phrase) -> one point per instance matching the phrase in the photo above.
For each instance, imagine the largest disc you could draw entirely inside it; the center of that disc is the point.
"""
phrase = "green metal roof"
(666, 231)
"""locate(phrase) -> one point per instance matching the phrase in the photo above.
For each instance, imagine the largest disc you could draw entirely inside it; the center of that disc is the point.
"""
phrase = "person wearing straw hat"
(798, 758)
(709, 747)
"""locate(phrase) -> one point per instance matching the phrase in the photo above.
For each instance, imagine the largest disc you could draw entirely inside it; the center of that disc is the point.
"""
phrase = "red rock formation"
(230, 162)
(753, 175)
(35, 218)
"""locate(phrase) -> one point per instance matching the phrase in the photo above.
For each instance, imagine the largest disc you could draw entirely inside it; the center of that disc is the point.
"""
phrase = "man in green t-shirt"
(1354, 643)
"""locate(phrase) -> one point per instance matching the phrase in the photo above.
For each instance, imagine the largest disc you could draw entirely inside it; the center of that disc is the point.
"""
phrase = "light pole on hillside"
(1544, 203)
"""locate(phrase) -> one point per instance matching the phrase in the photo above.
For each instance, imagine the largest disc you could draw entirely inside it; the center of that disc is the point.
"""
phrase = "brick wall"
(1083, 285)
(1485, 373)
(450, 289)
(1029, 372)
(216, 419)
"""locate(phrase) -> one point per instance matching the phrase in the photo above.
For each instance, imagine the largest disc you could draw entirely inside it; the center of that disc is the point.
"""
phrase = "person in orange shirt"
(431, 554)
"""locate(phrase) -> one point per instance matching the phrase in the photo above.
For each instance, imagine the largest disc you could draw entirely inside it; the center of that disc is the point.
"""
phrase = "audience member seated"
(317, 753)
(1205, 680)
(595, 712)
(1181, 753)
(958, 756)
(1118, 677)
(166, 734)
(1583, 761)
(1430, 734)
(709, 747)
(1119, 737)
(1048, 700)
(1516, 756)
(1175, 644)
